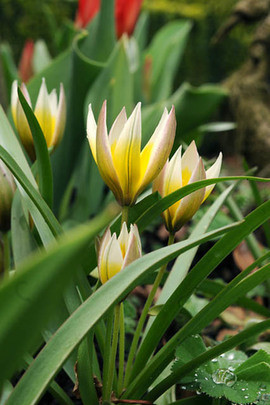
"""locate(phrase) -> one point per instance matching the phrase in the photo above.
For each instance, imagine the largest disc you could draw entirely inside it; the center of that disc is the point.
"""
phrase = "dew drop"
(184, 387)
(214, 360)
(223, 376)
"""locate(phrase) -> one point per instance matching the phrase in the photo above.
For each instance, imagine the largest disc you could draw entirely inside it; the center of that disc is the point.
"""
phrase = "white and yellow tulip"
(177, 173)
(116, 253)
(123, 166)
(50, 113)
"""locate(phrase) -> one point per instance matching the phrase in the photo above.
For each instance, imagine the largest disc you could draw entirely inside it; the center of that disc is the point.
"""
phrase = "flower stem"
(106, 356)
(148, 303)
(125, 214)
(108, 378)
(121, 350)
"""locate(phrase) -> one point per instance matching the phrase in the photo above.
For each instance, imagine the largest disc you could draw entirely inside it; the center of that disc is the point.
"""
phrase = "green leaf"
(23, 242)
(162, 204)
(164, 55)
(71, 333)
(208, 313)
(10, 143)
(114, 84)
(199, 272)
(84, 73)
(40, 204)
(193, 106)
(31, 295)
(43, 159)
(8, 67)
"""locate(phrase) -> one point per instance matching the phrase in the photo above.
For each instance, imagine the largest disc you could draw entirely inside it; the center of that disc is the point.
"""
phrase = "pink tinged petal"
(134, 229)
(191, 203)
(123, 238)
(133, 249)
(189, 162)
(104, 157)
(43, 112)
(159, 146)
(126, 156)
(60, 117)
(117, 128)
(91, 131)
(211, 173)
(26, 94)
(158, 183)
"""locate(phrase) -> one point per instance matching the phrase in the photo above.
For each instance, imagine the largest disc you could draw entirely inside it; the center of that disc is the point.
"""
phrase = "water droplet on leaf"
(223, 376)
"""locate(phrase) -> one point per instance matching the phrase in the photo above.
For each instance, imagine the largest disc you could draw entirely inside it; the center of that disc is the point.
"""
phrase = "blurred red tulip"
(86, 12)
(126, 14)
(25, 68)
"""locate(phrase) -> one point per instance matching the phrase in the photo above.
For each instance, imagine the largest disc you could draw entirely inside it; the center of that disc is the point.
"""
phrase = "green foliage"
(53, 315)
(231, 375)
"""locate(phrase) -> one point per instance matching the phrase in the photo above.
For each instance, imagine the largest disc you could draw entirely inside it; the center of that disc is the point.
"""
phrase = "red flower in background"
(25, 68)
(86, 12)
(126, 14)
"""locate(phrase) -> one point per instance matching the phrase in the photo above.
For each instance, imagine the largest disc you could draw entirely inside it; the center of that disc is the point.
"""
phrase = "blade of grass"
(45, 178)
(199, 272)
(70, 334)
(41, 205)
(207, 356)
(32, 293)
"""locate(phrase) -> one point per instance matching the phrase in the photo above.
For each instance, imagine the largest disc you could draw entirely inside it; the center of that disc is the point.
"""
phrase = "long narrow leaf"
(30, 296)
(172, 198)
(199, 272)
(70, 334)
(41, 205)
(43, 159)
(208, 355)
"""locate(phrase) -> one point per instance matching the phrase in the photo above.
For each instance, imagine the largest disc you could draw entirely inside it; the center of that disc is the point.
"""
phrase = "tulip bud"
(123, 166)
(116, 253)
(7, 189)
(177, 173)
(50, 114)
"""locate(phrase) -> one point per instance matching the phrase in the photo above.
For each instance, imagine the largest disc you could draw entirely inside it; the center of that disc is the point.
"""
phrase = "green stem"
(106, 356)
(6, 254)
(121, 350)
(125, 214)
(148, 303)
(108, 381)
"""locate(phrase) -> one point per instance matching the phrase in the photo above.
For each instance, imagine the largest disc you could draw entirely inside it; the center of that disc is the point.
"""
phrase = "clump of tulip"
(50, 113)
(114, 254)
(177, 173)
(123, 166)
(7, 190)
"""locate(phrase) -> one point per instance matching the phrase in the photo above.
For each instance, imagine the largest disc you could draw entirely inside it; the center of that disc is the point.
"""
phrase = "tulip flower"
(116, 253)
(123, 166)
(177, 173)
(7, 190)
(126, 14)
(50, 113)
(25, 68)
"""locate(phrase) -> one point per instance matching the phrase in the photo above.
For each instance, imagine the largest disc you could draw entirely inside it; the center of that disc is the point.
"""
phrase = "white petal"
(91, 131)
(191, 203)
(117, 127)
(211, 173)
(189, 161)
(61, 112)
